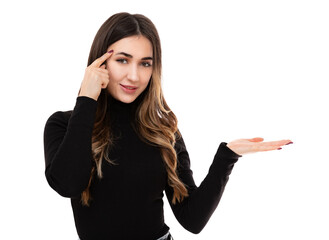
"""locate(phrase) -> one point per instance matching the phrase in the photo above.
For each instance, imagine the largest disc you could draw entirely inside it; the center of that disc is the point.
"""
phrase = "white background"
(231, 69)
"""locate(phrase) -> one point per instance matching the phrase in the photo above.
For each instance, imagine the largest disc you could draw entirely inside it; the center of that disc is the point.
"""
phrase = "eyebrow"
(130, 56)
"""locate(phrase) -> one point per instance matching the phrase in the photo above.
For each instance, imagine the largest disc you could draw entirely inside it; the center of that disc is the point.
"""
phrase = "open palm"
(244, 146)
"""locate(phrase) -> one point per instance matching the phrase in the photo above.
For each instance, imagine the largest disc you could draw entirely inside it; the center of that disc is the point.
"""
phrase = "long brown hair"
(155, 122)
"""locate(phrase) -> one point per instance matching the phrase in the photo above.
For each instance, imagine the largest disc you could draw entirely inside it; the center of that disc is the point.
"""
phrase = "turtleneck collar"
(120, 111)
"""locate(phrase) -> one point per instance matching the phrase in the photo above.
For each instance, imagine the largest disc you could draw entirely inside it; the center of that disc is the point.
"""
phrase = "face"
(129, 67)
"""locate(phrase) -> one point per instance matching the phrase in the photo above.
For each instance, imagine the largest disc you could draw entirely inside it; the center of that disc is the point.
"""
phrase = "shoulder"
(59, 118)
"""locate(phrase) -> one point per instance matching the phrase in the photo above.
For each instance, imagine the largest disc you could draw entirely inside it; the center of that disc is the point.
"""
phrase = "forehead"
(137, 46)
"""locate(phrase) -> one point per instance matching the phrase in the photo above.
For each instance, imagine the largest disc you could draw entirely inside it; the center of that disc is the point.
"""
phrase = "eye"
(146, 64)
(122, 60)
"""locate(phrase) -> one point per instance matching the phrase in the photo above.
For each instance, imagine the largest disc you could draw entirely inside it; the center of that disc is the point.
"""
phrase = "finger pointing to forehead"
(99, 61)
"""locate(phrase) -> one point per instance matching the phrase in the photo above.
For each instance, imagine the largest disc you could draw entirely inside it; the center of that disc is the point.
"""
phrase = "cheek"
(114, 74)
(146, 77)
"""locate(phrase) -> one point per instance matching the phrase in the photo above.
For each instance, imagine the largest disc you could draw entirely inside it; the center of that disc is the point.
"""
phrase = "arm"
(67, 137)
(194, 211)
(67, 148)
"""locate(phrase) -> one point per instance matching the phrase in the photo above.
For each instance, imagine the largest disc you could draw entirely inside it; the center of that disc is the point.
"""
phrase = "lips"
(129, 87)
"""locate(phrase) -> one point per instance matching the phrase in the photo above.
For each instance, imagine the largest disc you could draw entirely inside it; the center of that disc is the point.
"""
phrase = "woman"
(120, 148)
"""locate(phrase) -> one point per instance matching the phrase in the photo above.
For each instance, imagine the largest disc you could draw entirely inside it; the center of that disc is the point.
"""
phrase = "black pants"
(167, 236)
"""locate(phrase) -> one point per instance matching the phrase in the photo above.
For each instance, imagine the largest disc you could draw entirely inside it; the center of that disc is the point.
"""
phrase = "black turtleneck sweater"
(127, 202)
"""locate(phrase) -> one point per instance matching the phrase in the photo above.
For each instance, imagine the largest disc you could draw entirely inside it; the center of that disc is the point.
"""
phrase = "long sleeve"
(67, 148)
(194, 211)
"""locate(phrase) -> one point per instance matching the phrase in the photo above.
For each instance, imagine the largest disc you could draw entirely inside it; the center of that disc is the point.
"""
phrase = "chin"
(126, 99)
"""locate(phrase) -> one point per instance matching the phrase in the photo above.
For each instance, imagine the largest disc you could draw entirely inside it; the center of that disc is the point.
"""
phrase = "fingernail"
(111, 51)
(279, 148)
(289, 143)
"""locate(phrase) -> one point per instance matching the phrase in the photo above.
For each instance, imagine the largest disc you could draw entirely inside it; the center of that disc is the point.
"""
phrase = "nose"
(133, 74)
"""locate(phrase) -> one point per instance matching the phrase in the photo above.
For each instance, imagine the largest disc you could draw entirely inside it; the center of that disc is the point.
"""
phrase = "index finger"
(99, 61)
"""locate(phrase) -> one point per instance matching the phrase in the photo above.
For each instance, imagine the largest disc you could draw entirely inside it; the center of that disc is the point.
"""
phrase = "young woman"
(120, 148)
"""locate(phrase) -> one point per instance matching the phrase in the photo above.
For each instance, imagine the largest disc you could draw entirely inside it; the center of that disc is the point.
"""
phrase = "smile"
(128, 89)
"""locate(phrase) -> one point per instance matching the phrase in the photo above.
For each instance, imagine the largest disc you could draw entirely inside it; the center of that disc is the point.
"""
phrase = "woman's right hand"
(96, 77)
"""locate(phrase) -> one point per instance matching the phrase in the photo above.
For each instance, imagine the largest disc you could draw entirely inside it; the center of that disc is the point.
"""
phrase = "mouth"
(128, 88)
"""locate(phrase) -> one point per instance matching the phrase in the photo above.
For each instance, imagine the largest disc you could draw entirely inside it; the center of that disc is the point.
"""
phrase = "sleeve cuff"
(226, 155)
(223, 163)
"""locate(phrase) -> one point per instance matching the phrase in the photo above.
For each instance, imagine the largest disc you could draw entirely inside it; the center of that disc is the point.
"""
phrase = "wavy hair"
(155, 122)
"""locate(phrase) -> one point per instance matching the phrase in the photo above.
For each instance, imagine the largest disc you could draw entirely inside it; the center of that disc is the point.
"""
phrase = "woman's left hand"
(244, 146)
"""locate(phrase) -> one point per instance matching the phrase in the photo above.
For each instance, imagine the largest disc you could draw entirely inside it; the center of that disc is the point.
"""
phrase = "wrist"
(231, 146)
(82, 94)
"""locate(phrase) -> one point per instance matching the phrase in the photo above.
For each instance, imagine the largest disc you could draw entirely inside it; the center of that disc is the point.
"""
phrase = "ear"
(103, 66)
